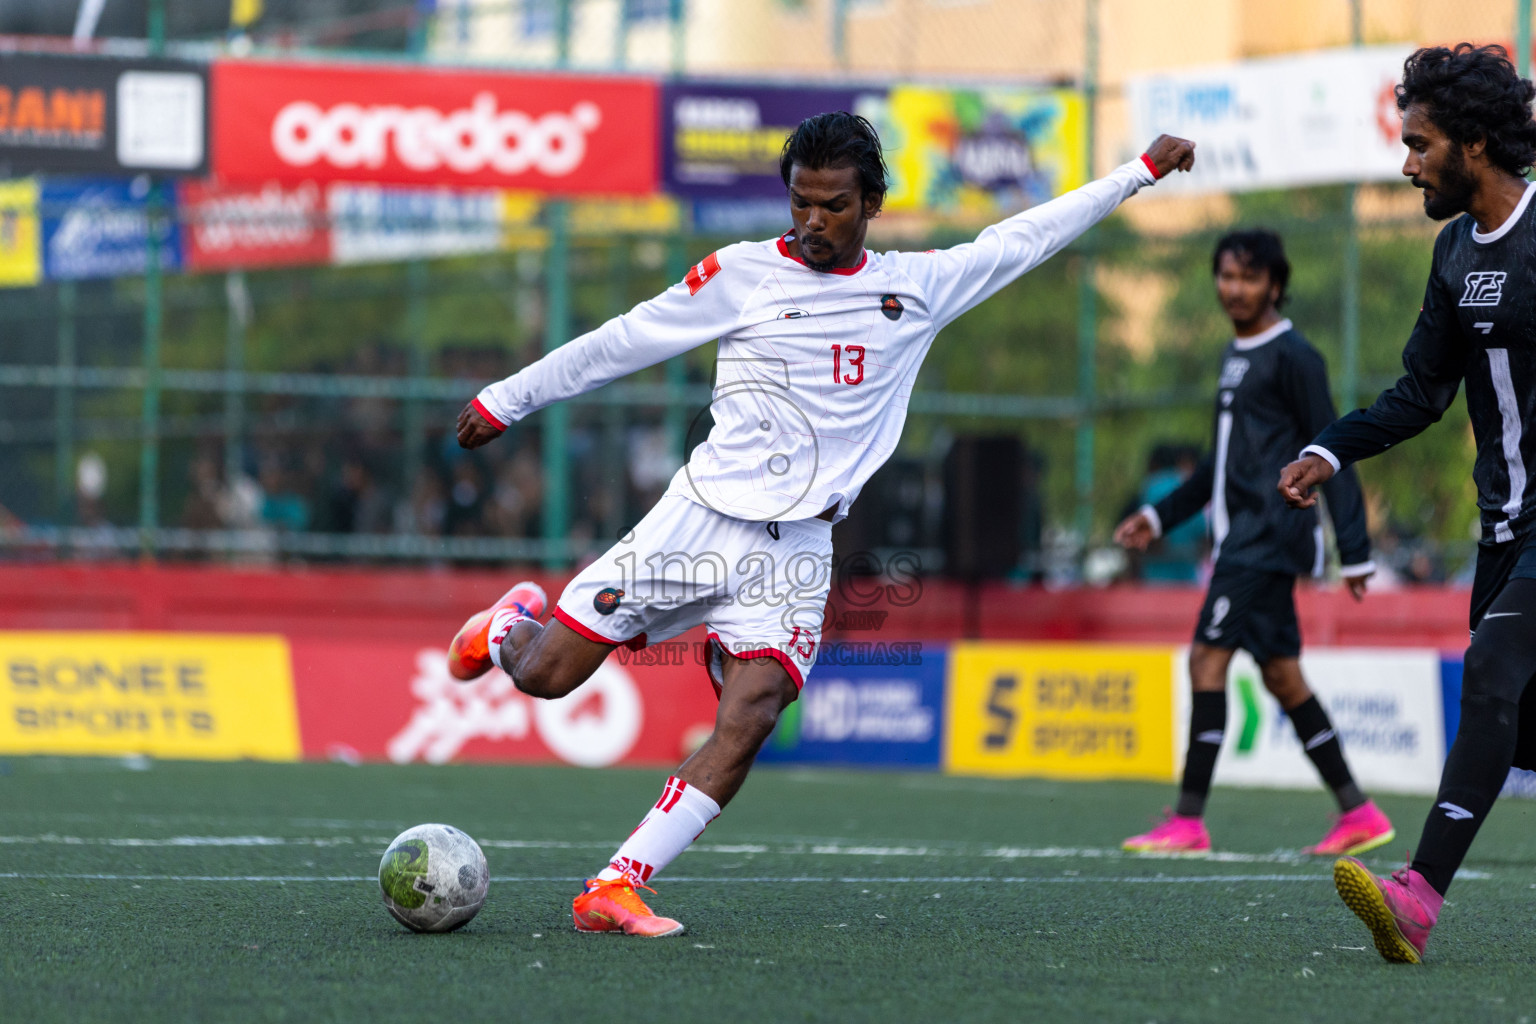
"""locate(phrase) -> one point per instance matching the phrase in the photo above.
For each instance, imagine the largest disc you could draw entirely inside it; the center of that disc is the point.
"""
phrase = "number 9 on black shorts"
(1252, 609)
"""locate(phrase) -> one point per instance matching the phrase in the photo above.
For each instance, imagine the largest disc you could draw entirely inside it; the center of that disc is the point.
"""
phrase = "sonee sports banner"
(561, 134)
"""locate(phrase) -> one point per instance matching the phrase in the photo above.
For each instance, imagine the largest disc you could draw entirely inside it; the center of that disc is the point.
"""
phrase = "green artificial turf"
(246, 892)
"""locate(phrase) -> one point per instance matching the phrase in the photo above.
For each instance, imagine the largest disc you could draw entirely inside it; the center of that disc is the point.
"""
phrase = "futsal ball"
(434, 878)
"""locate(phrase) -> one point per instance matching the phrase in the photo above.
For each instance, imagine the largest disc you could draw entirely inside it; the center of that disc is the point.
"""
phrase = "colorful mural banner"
(1075, 711)
(21, 261)
(174, 695)
(981, 154)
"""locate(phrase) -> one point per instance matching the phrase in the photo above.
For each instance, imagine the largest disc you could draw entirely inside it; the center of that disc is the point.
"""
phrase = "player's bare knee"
(541, 677)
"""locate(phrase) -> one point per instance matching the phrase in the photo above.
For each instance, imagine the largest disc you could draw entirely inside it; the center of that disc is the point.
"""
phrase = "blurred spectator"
(1176, 556)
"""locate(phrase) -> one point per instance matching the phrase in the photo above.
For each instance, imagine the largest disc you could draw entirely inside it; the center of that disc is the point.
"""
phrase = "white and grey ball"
(434, 878)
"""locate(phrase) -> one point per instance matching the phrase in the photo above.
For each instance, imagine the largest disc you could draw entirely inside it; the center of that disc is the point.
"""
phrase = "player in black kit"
(1272, 397)
(1467, 125)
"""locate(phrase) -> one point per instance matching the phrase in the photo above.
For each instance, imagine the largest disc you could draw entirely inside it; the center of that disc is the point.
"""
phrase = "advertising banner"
(983, 153)
(102, 115)
(562, 134)
(641, 707)
(1060, 710)
(228, 226)
(723, 141)
(176, 695)
(21, 261)
(1385, 706)
(1278, 122)
(100, 228)
(383, 224)
(889, 715)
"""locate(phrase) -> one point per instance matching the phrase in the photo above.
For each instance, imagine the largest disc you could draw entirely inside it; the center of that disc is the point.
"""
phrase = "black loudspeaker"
(891, 511)
(983, 507)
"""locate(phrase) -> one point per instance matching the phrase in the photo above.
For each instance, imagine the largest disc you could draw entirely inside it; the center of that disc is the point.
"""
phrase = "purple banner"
(723, 141)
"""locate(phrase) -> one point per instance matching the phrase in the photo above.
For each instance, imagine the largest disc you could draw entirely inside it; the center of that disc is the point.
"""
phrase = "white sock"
(501, 624)
(679, 817)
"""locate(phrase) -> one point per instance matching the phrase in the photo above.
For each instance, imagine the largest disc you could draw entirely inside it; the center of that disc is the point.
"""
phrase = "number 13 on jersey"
(855, 355)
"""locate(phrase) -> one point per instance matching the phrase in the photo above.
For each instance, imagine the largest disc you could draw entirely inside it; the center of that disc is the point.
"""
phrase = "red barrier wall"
(426, 607)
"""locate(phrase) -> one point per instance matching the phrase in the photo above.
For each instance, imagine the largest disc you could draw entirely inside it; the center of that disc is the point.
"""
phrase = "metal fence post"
(238, 302)
(64, 408)
(557, 418)
(1087, 298)
(149, 420)
(416, 337)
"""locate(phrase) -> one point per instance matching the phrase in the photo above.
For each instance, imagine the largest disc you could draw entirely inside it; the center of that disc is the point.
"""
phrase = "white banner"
(386, 223)
(1384, 703)
(1309, 119)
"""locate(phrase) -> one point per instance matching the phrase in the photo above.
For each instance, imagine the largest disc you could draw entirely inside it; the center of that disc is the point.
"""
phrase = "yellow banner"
(1060, 710)
(180, 695)
(20, 253)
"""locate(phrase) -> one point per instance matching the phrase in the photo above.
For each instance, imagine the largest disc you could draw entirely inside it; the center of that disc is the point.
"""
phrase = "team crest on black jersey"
(891, 306)
(1232, 371)
(1484, 288)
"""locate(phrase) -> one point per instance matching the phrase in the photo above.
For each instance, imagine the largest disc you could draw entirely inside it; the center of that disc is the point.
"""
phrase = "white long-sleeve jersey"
(815, 368)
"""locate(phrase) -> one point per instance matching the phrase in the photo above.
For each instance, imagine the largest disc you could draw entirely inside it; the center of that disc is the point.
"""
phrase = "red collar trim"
(845, 271)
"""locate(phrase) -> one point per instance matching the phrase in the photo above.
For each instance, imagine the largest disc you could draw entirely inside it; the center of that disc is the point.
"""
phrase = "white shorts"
(760, 588)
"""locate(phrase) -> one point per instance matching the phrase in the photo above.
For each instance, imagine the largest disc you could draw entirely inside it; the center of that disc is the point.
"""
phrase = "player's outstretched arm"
(1135, 531)
(697, 310)
(957, 279)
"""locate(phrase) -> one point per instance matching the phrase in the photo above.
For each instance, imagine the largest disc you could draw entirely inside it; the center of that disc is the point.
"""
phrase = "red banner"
(230, 226)
(389, 700)
(565, 134)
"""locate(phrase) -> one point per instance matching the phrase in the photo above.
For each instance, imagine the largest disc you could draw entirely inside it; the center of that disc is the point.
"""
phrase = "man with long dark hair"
(820, 343)
(1470, 137)
(1271, 397)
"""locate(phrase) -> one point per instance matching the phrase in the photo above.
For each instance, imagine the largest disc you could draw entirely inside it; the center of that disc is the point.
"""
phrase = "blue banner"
(99, 227)
(866, 704)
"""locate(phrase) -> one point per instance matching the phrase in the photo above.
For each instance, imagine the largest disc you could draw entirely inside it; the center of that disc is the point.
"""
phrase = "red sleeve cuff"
(483, 411)
(1150, 166)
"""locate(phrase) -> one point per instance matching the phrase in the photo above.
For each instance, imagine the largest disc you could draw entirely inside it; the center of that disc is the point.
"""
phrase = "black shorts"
(1497, 564)
(1252, 609)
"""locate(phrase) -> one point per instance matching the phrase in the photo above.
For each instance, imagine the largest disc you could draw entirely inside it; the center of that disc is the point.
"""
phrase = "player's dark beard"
(1454, 191)
(822, 265)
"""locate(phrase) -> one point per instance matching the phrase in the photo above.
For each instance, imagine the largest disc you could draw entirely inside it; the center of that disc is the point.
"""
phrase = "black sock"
(1207, 724)
(1474, 773)
(1321, 743)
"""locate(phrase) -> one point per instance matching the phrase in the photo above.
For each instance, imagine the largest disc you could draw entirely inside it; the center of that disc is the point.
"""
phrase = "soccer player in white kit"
(820, 342)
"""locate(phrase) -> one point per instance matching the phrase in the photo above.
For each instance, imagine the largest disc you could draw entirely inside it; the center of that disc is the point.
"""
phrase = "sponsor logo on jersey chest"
(1232, 371)
(891, 306)
(1484, 288)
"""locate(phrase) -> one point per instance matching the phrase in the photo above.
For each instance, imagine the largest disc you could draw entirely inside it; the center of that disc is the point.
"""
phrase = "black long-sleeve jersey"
(1479, 324)
(1272, 396)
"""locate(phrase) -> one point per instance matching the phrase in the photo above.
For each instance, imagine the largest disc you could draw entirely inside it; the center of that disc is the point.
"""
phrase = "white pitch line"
(774, 879)
(782, 847)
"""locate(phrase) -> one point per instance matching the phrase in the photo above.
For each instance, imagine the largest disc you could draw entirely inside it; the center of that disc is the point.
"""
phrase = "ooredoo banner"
(562, 134)
(396, 701)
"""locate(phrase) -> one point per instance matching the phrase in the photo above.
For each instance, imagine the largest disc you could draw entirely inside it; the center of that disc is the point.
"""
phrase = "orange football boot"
(613, 906)
(469, 656)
